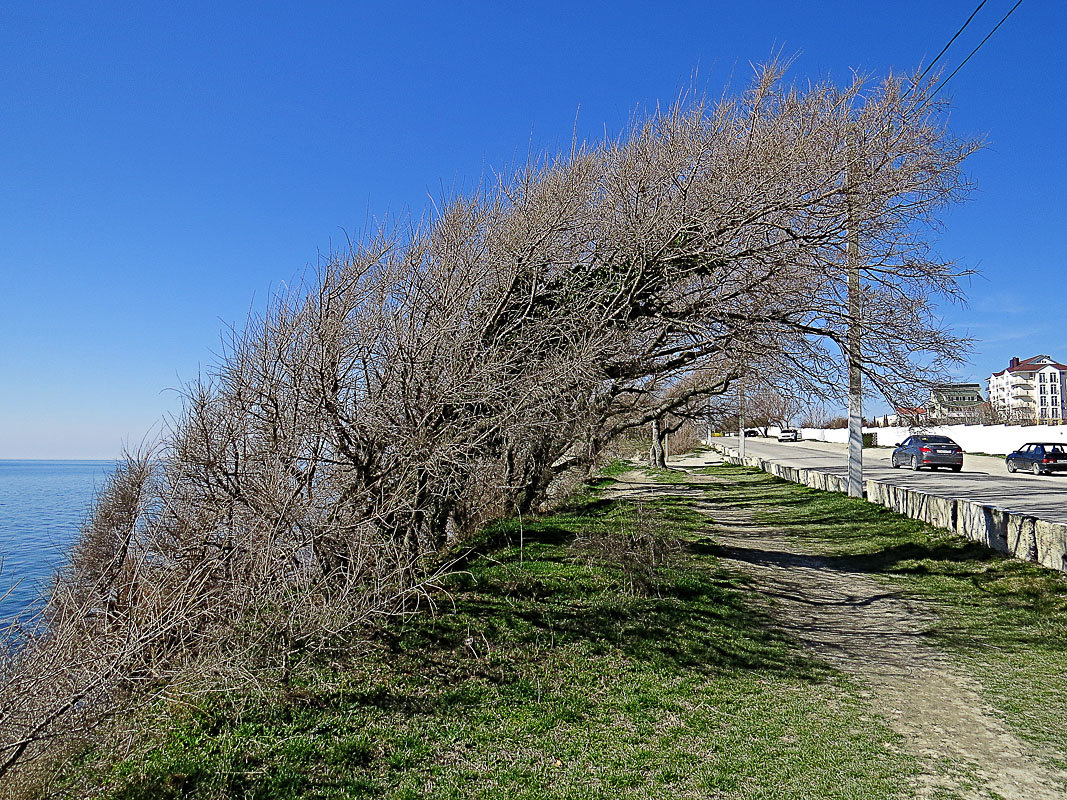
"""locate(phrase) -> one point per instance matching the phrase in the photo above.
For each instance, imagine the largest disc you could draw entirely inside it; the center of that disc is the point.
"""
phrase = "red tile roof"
(1030, 365)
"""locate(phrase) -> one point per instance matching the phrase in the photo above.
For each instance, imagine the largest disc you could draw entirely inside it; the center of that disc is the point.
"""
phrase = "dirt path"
(861, 627)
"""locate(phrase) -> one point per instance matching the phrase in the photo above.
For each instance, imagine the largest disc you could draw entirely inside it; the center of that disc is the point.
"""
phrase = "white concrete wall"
(839, 435)
(972, 438)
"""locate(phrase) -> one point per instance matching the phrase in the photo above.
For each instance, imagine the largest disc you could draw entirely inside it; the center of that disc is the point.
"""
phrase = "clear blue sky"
(163, 166)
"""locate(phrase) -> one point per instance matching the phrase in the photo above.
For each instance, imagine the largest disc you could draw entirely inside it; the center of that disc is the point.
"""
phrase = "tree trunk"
(656, 454)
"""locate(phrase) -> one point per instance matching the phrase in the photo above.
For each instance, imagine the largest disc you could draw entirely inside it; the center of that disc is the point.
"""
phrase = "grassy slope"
(548, 680)
(1005, 621)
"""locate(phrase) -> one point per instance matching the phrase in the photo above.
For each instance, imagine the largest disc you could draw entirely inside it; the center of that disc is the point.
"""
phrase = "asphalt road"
(983, 479)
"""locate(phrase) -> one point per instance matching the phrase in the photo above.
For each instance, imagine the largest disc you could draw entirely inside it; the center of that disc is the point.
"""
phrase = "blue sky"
(164, 167)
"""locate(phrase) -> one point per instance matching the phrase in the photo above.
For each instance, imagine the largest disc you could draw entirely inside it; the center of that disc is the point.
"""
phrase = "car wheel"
(1011, 465)
(958, 469)
(915, 463)
(1036, 468)
(893, 461)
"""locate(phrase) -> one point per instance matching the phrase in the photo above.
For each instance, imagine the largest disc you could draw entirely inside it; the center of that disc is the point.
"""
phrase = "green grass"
(614, 469)
(553, 678)
(1005, 621)
(604, 477)
(674, 477)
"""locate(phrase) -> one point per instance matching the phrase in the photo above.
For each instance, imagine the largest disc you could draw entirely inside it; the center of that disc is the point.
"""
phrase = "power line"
(976, 49)
(950, 41)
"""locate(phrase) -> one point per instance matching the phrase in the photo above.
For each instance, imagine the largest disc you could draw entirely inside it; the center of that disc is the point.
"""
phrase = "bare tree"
(815, 415)
(771, 407)
(434, 378)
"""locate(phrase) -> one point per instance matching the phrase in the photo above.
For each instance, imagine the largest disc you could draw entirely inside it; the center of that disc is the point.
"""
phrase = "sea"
(42, 507)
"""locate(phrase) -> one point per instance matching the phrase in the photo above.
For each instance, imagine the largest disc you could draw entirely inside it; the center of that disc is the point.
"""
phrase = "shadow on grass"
(697, 619)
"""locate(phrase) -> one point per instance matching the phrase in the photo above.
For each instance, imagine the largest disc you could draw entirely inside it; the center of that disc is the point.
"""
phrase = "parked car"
(751, 432)
(1039, 457)
(928, 450)
(788, 435)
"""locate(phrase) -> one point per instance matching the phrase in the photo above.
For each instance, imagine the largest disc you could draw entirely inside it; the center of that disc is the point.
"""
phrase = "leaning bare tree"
(435, 378)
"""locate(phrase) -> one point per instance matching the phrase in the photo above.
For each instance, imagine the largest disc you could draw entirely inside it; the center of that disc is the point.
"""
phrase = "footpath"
(877, 635)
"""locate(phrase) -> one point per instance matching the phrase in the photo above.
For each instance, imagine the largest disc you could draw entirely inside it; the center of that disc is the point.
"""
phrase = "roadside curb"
(1019, 535)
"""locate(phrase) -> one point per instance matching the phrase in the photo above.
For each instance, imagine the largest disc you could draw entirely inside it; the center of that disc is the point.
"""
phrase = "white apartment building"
(1032, 390)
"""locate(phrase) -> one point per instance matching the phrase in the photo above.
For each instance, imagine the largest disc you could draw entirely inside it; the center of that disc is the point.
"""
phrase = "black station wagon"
(928, 450)
(1039, 457)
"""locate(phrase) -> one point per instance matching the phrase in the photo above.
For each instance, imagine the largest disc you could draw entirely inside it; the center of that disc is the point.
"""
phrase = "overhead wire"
(976, 49)
(944, 49)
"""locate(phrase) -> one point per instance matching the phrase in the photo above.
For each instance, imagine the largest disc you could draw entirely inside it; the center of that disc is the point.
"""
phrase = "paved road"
(983, 480)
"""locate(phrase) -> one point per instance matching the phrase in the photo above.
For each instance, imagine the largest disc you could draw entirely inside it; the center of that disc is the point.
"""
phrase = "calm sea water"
(42, 506)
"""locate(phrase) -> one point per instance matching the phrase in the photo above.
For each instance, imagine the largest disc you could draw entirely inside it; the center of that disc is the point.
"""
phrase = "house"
(956, 403)
(1031, 390)
(912, 417)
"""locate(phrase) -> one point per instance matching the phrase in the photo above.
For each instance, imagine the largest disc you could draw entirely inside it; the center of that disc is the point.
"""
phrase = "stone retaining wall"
(1020, 535)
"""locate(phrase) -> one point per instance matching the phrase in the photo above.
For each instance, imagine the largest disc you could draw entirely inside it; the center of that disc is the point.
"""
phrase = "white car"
(789, 435)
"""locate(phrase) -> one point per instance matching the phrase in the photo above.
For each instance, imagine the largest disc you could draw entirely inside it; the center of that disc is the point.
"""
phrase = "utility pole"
(854, 338)
(741, 415)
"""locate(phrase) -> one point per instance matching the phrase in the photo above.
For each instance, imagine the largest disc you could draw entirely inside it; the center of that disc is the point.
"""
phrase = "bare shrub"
(688, 437)
(635, 548)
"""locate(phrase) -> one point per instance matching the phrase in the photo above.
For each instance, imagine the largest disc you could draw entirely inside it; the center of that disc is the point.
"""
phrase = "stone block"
(1051, 544)
(1022, 537)
(819, 480)
(889, 496)
(985, 524)
(931, 509)
(836, 483)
